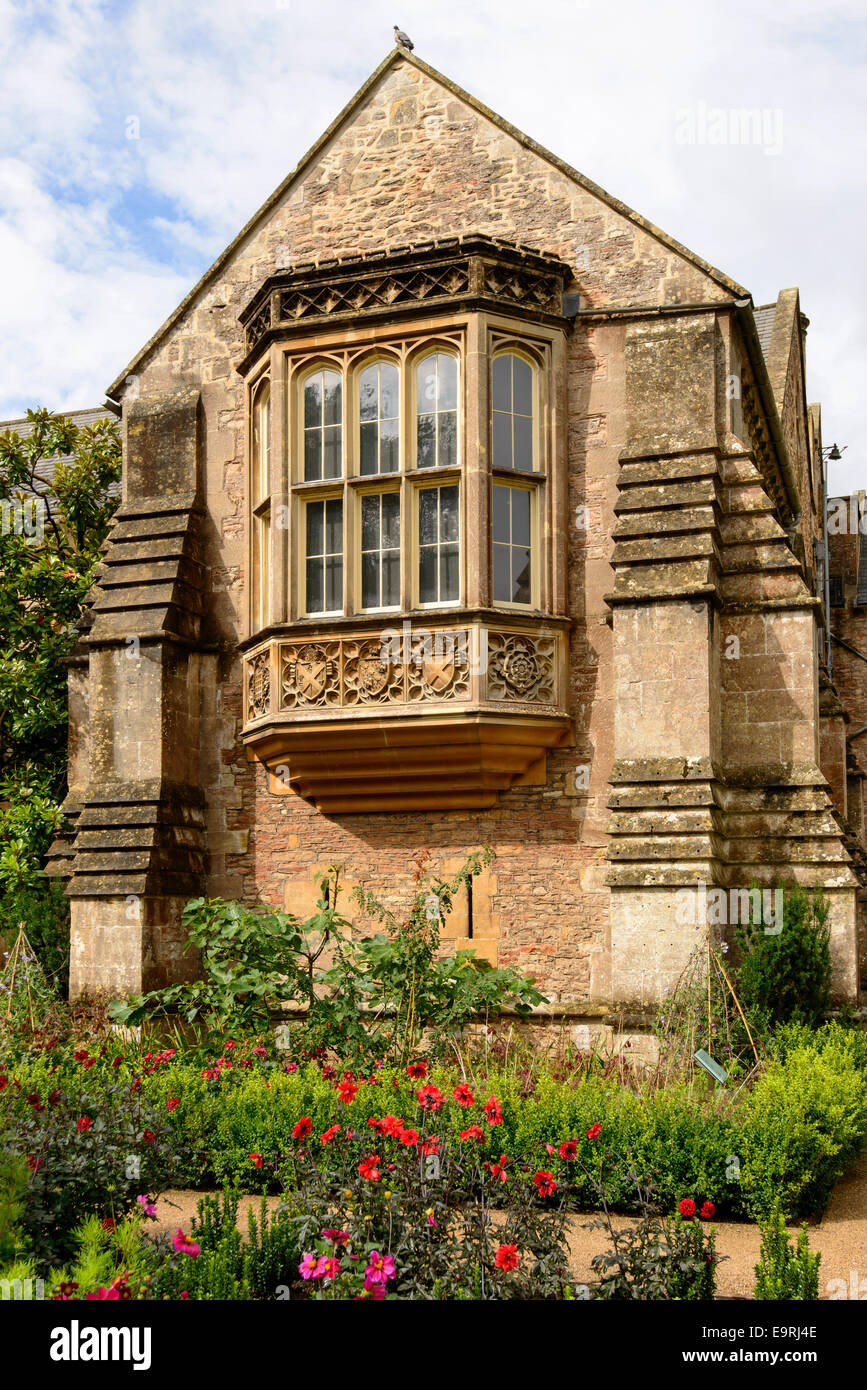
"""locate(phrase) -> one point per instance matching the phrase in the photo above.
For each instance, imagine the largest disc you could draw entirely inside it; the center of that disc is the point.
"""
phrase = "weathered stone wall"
(646, 431)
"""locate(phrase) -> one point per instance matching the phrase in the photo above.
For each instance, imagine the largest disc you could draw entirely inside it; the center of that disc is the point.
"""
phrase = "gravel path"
(841, 1236)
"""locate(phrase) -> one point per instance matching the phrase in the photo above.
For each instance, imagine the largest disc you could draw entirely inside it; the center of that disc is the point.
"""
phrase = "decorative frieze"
(355, 671)
(455, 273)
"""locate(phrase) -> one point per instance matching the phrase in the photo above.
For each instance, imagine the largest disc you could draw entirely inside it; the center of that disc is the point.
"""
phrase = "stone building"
(461, 506)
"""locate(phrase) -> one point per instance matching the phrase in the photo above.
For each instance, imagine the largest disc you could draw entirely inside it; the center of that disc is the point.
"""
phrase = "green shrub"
(785, 976)
(805, 1121)
(226, 1266)
(784, 1273)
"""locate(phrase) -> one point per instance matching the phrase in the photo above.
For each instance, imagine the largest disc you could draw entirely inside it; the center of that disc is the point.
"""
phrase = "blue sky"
(136, 139)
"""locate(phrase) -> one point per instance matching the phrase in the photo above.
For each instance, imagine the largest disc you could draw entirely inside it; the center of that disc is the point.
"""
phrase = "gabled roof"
(401, 55)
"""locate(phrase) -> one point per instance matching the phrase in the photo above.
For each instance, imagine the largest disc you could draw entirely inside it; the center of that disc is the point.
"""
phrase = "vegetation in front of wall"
(784, 1271)
(380, 994)
(784, 975)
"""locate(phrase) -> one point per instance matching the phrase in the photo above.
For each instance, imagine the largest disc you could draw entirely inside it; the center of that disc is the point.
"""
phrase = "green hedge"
(788, 1138)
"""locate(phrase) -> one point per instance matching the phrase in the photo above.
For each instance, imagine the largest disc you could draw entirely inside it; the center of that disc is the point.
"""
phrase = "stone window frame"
(470, 335)
(261, 492)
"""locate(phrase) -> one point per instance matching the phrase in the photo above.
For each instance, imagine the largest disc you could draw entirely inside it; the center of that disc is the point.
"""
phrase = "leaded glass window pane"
(512, 412)
(437, 411)
(323, 426)
(379, 410)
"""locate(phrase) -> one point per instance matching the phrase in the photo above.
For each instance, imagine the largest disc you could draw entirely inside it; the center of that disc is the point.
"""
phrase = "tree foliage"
(56, 503)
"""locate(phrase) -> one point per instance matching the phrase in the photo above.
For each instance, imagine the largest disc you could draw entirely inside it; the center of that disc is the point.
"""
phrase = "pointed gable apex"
(396, 57)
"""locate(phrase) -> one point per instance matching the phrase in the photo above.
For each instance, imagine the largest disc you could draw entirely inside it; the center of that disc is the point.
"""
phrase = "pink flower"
(146, 1205)
(379, 1269)
(113, 1292)
(307, 1267)
(184, 1245)
(327, 1267)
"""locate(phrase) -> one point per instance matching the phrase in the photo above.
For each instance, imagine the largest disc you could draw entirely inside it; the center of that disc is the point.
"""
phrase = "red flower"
(84, 1124)
(303, 1128)
(347, 1090)
(687, 1207)
(707, 1211)
(594, 1131)
(507, 1258)
(34, 1164)
(429, 1097)
(4, 1082)
(329, 1134)
(149, 1136)
(369, 1168)
(463, 1095)
(493, 1110)
(328, 1072)
(430, 1146)
(408, 1137)
(173, 1103)
(474, 1132)
(498, 1170)
(545, 1184)
(417, 1070)
(109, 1224)
(568, 1150)
(228, 1046)
(257, 1159)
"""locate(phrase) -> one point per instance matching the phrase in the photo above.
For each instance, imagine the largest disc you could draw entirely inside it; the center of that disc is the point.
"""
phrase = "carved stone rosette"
(522, 668)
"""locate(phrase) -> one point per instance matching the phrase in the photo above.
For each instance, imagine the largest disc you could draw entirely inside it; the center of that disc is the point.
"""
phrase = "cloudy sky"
(136, 138)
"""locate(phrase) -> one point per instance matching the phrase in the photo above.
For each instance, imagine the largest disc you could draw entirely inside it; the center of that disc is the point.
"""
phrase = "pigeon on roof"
(403, 39)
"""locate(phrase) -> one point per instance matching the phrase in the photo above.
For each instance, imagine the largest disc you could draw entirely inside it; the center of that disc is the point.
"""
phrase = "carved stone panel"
(370, 676)
(522, 668)
(309, 675)
(258, 686)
